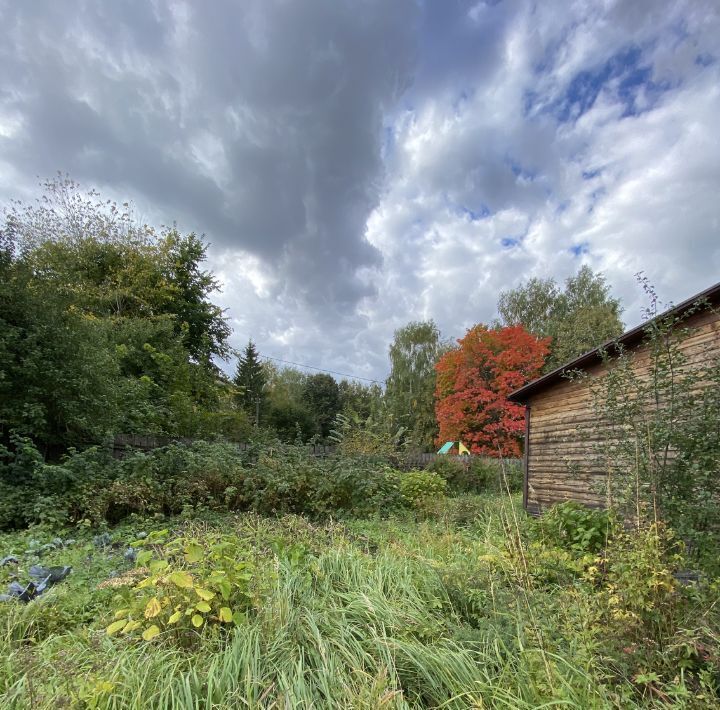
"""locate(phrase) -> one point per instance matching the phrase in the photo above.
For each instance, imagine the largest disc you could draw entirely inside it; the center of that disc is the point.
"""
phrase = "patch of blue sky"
(531, 101)
(579, 249)
(705, 59)
(590, 174)
(477, 213)
(562, 206)
(629, 76)
(521, 171)
(511, 242)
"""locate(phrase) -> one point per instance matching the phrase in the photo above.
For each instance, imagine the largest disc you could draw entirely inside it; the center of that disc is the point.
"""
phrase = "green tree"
(533, 305)
(322, 395)
(107, 326)
(201, 323)
(357, 399)
(410, 388)
(578, 318)
(97, 255)
(287, 411)
(250, 379)
(58, 370)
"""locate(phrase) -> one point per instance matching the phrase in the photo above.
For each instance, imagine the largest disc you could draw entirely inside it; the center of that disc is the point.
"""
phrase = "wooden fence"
(122, 443)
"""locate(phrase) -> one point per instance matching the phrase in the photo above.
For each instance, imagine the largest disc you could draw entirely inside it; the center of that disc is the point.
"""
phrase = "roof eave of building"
(630, 337)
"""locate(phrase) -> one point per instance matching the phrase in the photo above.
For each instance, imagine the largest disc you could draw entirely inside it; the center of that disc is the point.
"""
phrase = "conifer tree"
(250, 379)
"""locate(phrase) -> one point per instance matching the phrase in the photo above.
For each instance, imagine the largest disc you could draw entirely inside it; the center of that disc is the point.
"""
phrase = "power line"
(320, 369)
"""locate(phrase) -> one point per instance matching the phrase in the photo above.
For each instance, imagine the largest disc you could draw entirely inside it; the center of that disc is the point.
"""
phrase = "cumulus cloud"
(359, 165)
(589, 139)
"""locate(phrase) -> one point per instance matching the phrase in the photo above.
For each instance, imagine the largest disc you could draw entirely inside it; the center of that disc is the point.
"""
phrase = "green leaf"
(115, 627)
(131, 626)
(204, 607)
(181, 579)
(197, 621)
(226, 615)
(204, 594)
(147, 582)
(174, 618)
(239, 618)
(150, 633)
(143, 558)
(194, 553)
(158, 566)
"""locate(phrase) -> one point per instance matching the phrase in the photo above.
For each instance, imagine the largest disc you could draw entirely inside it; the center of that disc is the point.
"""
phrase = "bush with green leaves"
(376, 437)
(270, 478)
(576, 528)
(420, 489)
(457, 475)
(288, 479)
(93, 485)
(476, 474)
(191, 583)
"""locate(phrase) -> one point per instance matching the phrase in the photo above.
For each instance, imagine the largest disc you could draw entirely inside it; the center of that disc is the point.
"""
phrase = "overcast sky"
(357, 165)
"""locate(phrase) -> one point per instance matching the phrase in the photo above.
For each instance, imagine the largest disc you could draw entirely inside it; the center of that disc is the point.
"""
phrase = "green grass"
(400, 613)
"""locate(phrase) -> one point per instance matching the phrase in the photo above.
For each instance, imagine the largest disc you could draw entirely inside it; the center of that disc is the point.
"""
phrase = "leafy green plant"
(635, 573)
(191, 583)
(659, 443)
(421, 488)
(575, 527)
(355, 436)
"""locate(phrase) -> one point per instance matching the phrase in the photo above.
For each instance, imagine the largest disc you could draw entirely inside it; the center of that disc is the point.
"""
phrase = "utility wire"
(312, 367)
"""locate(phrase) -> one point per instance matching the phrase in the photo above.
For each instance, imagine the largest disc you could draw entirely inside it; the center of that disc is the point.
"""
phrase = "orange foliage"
(473, 382)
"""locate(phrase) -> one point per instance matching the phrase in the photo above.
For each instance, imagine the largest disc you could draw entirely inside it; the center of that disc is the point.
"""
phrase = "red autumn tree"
(473, 382)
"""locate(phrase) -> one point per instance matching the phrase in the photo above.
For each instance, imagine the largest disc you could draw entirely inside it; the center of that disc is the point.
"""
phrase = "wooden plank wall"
(565, 431)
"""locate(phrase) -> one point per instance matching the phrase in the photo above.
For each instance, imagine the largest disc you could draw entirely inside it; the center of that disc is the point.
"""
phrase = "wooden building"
(562, 426)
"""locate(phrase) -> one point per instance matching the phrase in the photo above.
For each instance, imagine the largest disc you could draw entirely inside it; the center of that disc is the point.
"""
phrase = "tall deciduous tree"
(578, 318)
(287, 412)
(322, 395)
(58, 369)
(250, 379)
(96, 255)
(107, 326)
(410, 388)
(473, 382)
(200, 322)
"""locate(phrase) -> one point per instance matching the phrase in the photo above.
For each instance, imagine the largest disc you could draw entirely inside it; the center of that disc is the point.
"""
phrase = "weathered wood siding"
(565, 430)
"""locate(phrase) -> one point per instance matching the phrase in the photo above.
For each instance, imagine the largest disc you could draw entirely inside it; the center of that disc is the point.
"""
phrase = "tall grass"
(347, 629)
(458, 611)
(362, 634)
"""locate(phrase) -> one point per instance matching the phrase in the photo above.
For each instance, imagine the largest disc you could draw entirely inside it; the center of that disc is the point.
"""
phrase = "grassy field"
(465, 606)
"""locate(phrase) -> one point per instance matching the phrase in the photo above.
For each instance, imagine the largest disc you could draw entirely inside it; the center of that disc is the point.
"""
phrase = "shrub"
(659, 444)
(478, 475)
(192, 583)
(575, 527)
(290, 480)
(270, 478)
(636, 577)
(354, 436)
(457, 474)
(421, 488)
